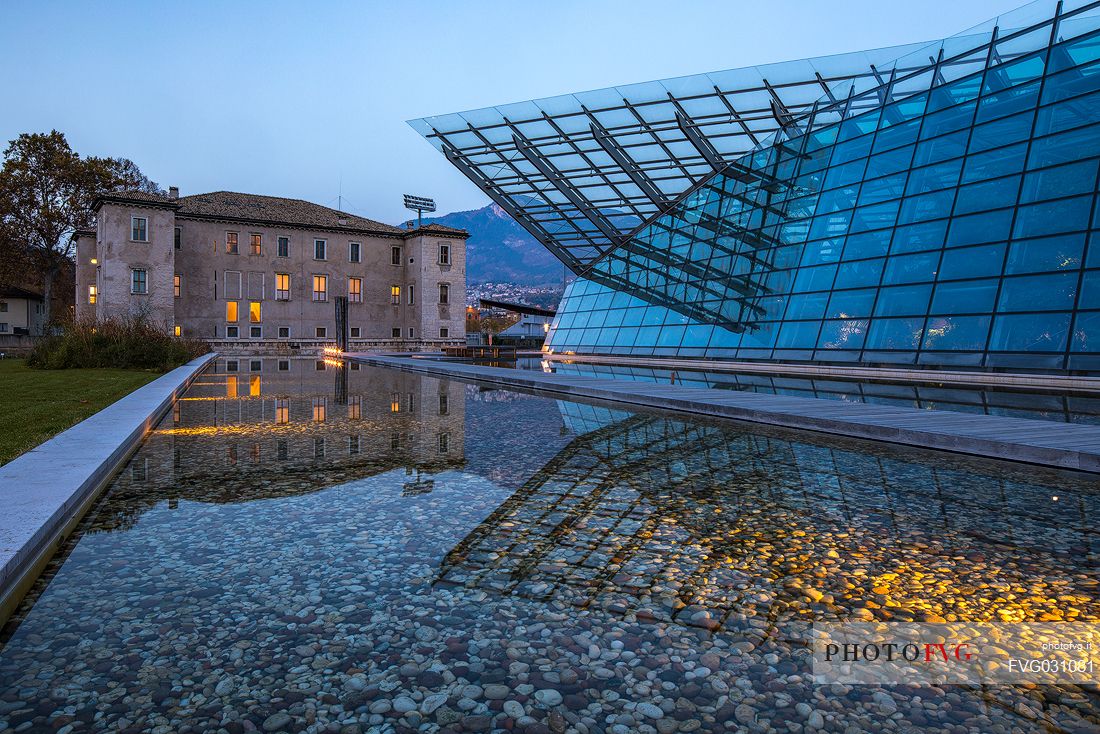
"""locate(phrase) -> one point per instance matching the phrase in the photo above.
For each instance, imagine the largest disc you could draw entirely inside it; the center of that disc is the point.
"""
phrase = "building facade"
(931, 205)
(249, 271)
(22, 312)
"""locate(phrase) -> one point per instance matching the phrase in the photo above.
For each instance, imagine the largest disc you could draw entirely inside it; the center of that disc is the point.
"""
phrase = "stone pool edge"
(1048, 444)
(46, 491)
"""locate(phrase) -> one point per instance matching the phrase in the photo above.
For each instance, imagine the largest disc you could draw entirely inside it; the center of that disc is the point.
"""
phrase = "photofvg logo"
(896, 653)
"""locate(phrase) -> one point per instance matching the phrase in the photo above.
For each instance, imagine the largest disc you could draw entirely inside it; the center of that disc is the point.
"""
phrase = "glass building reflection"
(930, 205)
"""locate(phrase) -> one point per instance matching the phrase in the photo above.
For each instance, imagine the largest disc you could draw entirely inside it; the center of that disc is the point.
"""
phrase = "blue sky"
(310, 99)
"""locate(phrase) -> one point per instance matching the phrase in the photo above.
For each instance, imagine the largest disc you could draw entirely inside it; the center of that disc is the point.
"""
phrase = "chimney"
(173, 192)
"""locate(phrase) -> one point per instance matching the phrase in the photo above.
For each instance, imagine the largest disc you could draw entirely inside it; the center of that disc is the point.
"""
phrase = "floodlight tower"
(420, 204)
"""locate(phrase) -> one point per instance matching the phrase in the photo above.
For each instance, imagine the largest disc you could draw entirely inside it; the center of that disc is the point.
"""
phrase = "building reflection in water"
(717, 528)
(304, 425)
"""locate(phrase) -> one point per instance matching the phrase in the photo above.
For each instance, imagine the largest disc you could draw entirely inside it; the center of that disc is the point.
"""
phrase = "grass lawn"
(36, 404)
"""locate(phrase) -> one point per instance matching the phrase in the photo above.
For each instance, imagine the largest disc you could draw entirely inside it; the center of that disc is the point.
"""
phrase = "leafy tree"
(46, 193)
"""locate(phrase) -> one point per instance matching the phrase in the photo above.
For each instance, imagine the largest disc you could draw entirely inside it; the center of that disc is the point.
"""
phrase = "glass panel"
(968, 296)
(972, 262)
(1086, 332)
(895, 333)
(987, 195)
(911, 268)
(1052, 217)
(1053, 183)
(1030, 333)
(956, 332)
(903, 300)
(1038, 292)
(847, 304)
(1047, 254)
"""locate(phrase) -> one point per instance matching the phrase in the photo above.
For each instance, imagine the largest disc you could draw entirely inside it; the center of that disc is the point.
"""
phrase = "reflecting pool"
(345, 550)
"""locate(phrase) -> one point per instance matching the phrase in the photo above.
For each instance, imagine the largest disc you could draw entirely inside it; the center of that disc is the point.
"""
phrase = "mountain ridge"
(500, 250)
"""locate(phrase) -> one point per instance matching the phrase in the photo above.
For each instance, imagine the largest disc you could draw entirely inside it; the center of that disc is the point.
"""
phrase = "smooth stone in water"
(548, 697)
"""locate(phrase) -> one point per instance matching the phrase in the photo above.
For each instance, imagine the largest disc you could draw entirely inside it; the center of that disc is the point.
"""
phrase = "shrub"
(127, 343)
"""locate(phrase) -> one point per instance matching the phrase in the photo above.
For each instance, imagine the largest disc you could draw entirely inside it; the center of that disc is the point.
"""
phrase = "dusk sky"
(310, 99)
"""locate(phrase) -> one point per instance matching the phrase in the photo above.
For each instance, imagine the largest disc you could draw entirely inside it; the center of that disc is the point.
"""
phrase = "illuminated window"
(139, 229)
(355, 407)
(254, 312)
(91, 294)
(320, 251)
(231, 311)
(319, 407)
(283, 247)
(395, 294)
(320, 287)
(355, 290)
(231, 243)
(176, 286)
(282, 410)
(353, 252)
(395, 403)
(444, 293)
(179, 330)
(256, 241)
(444, 254)
(231, 386)
(282, 286)
(395, 256)
(254, 386)
(138, 281)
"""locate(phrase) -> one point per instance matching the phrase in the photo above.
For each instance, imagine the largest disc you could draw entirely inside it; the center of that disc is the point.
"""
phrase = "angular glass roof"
(584, 171)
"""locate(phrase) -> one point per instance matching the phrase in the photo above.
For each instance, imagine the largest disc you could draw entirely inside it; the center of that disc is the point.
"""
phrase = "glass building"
(930, 204)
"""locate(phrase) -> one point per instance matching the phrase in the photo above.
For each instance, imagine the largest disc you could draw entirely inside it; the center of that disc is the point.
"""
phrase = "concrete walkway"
(1062, 445)
(46, 491)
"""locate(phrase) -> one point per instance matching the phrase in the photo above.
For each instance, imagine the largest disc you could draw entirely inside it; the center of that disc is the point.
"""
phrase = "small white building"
(22, 312)
(533, 324)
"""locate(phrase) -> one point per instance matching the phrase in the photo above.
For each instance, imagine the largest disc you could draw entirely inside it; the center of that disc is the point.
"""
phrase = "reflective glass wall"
(954, 226)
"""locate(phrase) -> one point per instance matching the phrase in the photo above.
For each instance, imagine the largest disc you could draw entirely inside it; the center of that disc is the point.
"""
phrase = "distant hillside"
(501, 251)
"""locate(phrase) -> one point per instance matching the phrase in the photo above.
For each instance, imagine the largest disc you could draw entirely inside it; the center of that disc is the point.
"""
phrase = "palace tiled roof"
(267, 210)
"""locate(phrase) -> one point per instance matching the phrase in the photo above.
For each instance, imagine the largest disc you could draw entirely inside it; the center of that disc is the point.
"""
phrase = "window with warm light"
(444, 293)
(395, 294)
(254, 386)
(320, 407)
(91, 294)
(282, 410)
(256, 243)
(395, 403)
(179, 330)
(231, 311)
(231, 243)
(320, 287)
(176, 286)
(355, 290)
(231, 386)
(254, 312)
(282, 286)
(355, 407)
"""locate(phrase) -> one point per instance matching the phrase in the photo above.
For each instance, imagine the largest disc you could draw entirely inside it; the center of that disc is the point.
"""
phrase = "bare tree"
(46, 193)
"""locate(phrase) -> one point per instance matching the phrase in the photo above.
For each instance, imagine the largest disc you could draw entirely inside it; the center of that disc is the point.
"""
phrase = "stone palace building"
(253, 272)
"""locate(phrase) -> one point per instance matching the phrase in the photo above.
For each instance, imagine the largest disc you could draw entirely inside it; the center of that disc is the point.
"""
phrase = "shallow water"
(375, 550)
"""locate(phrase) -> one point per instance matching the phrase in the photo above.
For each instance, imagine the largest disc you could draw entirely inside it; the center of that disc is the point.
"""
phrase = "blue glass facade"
(942, 214)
